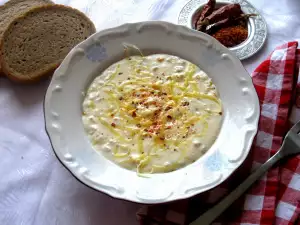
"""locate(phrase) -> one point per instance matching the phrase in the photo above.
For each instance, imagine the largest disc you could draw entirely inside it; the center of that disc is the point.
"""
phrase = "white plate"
(65, 95)
(257, 26)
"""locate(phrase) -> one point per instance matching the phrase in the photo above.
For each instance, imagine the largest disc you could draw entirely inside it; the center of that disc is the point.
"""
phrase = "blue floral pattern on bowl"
(215, 162)
(96, 52)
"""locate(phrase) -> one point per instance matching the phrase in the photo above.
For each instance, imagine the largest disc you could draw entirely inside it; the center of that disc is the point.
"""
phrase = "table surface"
(35, 188)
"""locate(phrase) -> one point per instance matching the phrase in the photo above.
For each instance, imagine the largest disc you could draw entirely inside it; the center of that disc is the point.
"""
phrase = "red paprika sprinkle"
(231, 36)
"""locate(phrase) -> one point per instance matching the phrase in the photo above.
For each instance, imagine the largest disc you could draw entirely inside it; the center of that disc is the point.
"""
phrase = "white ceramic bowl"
(71, 145)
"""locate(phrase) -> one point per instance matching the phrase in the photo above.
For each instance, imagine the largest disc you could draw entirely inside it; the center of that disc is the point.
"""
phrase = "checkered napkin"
(275, 198)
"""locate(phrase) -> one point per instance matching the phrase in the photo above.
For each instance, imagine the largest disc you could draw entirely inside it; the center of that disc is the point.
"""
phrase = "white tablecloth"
(34, 187)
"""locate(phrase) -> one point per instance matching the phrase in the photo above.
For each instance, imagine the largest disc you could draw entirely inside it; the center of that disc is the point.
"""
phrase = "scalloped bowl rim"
(143, 193)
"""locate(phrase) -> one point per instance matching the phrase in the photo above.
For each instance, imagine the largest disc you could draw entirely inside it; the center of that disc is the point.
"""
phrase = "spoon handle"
(213, 213)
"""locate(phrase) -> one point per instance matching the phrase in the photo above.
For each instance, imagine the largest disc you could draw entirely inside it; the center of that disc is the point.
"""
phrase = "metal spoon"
(290, 146)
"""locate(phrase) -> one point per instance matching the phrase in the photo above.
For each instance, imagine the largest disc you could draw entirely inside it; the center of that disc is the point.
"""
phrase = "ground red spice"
(231, 36)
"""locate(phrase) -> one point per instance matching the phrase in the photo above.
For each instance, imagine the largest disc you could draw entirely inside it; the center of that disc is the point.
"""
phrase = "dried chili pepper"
(227, 11)
(221, 24)
(208, 8)
(241, 20)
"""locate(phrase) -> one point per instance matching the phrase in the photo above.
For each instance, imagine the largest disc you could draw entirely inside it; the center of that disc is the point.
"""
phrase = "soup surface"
(153, 113)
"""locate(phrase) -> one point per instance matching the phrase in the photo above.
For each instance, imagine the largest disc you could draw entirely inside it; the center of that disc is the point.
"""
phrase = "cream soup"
(153, 113)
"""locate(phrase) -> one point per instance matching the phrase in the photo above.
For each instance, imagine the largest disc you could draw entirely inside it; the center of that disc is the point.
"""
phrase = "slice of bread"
(15, 8)
(35, 44)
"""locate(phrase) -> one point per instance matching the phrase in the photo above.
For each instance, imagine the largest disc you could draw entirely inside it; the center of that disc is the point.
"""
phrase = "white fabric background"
(35, 189)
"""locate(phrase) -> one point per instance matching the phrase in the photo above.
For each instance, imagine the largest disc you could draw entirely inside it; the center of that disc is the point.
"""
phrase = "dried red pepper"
(228, 24)
(227, 11)
(208, 8)
(221, 24)
(241, 20)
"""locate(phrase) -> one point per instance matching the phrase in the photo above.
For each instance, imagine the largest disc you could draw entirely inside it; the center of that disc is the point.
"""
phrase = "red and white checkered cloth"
(275, 198)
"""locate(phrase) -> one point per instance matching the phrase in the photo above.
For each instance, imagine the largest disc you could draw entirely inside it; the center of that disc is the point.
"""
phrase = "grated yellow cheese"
(150, 108)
